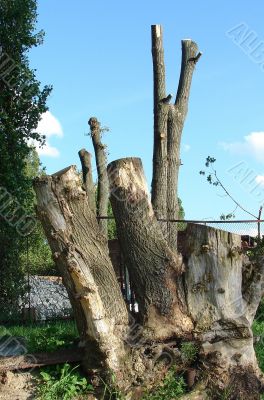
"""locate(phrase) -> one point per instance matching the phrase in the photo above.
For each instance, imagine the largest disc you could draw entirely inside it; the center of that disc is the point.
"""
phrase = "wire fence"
(46, 297)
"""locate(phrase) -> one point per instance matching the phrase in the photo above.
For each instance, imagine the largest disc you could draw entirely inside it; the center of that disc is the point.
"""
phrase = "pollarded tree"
(201, 291)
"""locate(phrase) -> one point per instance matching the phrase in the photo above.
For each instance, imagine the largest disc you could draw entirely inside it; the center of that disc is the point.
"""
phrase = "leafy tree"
(22, 101)
(36, 256)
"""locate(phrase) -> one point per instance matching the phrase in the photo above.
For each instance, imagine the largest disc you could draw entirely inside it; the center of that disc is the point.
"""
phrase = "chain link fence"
(46, 297)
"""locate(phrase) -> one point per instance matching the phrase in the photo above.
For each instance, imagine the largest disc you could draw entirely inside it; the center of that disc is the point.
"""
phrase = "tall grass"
(44, 337)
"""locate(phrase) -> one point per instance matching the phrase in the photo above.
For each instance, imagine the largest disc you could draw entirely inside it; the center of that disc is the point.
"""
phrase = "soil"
(23, 386)
(17, 386)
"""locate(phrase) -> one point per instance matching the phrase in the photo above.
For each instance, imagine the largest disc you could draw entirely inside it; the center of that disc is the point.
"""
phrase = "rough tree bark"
(81, 254)
(85, 158)
(160, 163)
(168, 126)
(221, 290)
(153, 267)
(101, 162)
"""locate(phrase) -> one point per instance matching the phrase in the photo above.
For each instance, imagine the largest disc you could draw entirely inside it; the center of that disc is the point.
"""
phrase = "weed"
(171, 388)
(62, 383)
(189, 352)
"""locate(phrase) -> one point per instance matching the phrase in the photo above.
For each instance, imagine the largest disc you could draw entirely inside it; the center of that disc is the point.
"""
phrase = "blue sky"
(97, 56)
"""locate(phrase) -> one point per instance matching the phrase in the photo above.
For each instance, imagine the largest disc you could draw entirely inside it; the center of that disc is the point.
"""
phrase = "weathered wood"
(221, 310)
(168, 126)
(176, 118)
(89, 186)
(160, 162)
(81, 254)
(152, 265)
(101, 162)
(29, 361)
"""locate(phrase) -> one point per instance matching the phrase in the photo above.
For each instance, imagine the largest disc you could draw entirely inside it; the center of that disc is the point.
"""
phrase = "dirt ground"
(17, 386)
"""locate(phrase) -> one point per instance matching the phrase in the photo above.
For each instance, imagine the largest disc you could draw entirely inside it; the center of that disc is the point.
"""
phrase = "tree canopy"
(22, 102)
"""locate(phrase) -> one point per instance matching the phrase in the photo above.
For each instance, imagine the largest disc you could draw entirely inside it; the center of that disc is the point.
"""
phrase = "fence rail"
(47, 299)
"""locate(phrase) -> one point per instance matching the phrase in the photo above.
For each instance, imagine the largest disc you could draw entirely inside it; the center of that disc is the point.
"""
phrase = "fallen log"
(29, 361)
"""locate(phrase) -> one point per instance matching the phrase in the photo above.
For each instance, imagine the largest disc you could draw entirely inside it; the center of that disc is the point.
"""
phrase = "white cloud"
(260, 180)
(48, 151)
(252, 144)
(48, 126)
(186, 147)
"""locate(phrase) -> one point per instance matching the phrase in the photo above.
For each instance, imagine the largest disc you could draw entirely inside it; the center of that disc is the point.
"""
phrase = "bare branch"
(231, 197)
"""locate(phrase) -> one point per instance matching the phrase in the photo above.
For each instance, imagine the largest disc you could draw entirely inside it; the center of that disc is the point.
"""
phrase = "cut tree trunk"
(101, 162)
(168, 126)
(88, 184)
(153, 267)
(81, 254)
(214, 312)
(222, 298)
(217, 305)
(176, 118)
(160, 162)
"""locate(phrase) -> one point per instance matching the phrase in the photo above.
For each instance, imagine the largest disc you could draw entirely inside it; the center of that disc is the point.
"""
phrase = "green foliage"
(111, 224)
(258, 330)
(189, 352)
(257, 250)
(260, 312)
(210, 177)
(62, 383)
(44, 337)
(22, 103)
(36, 256)
(226, 217)
(172, 387)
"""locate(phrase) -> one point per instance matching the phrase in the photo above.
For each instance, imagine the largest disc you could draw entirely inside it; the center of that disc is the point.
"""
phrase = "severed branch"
(89, 187)
(168, 125)
(159, 178)
(176, 119)
(158, 64)
(101, 162)
(189, 60)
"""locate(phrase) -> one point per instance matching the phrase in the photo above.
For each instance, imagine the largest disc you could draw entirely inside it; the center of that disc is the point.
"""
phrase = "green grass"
(44, 337)
(258, 330)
